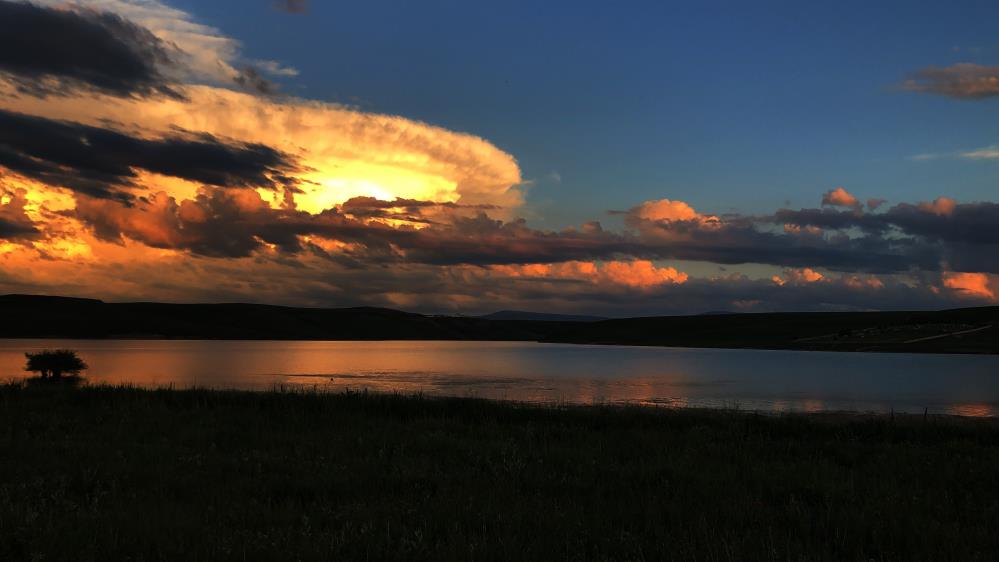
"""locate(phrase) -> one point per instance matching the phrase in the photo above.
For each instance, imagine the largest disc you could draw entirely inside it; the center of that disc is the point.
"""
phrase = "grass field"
(127, 474)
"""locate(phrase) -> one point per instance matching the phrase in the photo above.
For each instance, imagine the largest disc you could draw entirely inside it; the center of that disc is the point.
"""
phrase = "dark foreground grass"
(116, 474)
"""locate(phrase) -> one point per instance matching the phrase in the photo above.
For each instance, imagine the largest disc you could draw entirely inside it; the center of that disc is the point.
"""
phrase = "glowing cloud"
(798, 277)
(840, 197)
(344, 153)
(637, 274)
(974, 285)
(670, 210)
(943, 206)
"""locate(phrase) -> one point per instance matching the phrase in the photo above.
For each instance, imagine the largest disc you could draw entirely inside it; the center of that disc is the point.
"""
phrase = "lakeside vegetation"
(96, 473)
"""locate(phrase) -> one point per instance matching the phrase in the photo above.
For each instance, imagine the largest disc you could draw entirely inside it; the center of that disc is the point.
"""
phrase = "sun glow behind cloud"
(343, 153)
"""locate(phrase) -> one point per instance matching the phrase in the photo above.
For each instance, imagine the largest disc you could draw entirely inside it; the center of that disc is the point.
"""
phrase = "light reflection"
(677, 378)
(975, 410)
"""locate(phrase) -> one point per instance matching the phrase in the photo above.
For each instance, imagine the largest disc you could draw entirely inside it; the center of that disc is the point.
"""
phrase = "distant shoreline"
(896, 350)
(959, 331)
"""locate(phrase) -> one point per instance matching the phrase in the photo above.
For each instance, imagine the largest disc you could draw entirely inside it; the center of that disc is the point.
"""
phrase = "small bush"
(53, 364)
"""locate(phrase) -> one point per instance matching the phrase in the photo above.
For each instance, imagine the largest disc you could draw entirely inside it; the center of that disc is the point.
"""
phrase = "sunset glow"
(210, 168)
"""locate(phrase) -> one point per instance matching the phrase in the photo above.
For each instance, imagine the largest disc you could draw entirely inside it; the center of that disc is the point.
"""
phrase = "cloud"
(987, 153)
(942, 206)
(203, 53)
(344, 153)
(45, 50)
(15, 224)
(669, 211)
(217, 194)
(250, 79)
(840, 197)
(292, 6)
(218, 222)
(635, 274)
(962, 81)
(874, 203)
(974, 285)
(100, 162)
(798, 276)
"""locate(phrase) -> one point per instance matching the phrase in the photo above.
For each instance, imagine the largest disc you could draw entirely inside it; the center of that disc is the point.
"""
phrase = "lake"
(525, 371)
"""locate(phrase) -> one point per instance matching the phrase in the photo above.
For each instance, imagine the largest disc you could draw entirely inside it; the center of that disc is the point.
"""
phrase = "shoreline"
(557, 405)
(886, 349)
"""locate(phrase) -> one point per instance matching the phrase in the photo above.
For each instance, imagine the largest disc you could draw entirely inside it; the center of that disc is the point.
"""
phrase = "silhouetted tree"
(54, 363)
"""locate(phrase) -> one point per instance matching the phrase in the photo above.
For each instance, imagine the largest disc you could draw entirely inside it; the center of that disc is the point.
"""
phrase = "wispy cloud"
(962, 81)
(292, 6)
(987, 153)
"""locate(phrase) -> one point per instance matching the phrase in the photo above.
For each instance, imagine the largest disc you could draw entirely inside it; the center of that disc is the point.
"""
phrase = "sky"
(627, 158)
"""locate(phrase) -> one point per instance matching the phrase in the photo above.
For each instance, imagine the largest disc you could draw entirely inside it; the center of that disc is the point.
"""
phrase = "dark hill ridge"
(969, 330)
(547, 317)
(57, 317)
(965, 330)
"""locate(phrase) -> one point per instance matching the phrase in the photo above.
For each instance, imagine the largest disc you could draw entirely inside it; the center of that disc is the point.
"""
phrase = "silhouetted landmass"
(127, 474)
(59, 317)
(967, 330)
(547, 317)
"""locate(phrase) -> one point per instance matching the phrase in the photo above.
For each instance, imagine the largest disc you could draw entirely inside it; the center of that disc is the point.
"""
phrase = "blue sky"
(725, 105)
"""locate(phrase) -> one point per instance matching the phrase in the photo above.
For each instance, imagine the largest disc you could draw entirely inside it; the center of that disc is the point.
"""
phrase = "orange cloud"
(857, 282)
(671, 211)
(943, 206)
(840, 197)
(640, 274)
(974, 285)
(344, 153)
(798, 276)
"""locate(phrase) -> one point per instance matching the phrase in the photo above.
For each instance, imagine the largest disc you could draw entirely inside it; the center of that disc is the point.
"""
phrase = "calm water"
(747, 379)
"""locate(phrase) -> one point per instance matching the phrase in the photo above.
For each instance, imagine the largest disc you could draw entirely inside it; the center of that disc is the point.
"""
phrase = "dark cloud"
(733, 293)
(236, 223)
(292, 6)
(830, 219)
(874, 203)
(962, 81)
(250, 79)
(960, 236)
(99, 162)
(942, 220)
(473, 290)
(218, 222)
(56, 51)
(336, 258)
(14, 221)
(407, 210)
(740, 239)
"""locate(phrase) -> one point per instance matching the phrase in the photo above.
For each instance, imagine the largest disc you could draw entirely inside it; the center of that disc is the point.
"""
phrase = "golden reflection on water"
(975, 410)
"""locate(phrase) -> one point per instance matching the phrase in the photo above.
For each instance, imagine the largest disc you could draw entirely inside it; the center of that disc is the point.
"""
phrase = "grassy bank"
(102, 473)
